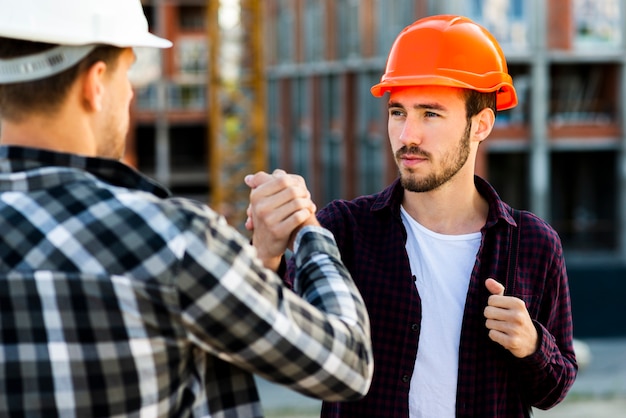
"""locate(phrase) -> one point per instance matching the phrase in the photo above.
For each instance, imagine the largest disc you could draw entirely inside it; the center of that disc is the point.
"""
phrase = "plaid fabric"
(117, 302)
(492, 383)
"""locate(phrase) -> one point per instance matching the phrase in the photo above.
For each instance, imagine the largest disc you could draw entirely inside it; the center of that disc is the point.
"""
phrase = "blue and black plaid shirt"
(491, 382)
(118, 300)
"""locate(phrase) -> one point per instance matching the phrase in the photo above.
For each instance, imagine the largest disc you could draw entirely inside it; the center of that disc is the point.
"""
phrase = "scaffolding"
(236, 103)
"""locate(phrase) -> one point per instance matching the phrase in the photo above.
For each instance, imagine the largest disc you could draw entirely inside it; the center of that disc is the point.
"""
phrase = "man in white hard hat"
(117, 299)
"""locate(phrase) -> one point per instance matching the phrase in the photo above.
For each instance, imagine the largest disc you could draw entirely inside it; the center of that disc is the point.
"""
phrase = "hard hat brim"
(506, 98)
(144, 39)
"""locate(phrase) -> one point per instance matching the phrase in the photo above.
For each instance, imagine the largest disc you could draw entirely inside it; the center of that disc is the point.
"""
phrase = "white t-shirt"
(442, 265)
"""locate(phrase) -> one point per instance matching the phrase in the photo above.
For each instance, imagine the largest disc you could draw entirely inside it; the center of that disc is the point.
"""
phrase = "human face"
(116, 108)
(429, 135)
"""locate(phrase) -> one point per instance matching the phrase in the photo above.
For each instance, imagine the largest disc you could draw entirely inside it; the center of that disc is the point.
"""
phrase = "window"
(583, 93)
(187, 96)
(285, 20)
(192, 55)
(191, 18)
(584, 199)
(597, 23)
(301, 136)
(393, 17)
(332, 154)
(373, 144)
(507, 20)
(348, 34)
(508, 174)
(314, 22)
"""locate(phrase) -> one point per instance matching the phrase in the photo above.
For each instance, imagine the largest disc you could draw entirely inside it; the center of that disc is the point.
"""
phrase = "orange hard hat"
(450, 51)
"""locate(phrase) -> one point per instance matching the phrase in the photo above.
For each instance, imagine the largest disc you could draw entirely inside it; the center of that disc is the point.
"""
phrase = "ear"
(93, 87)
(483, 122)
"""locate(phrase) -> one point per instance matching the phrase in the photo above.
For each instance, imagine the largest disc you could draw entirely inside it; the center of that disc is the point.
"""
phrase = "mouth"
(412, 157)
(411, 160)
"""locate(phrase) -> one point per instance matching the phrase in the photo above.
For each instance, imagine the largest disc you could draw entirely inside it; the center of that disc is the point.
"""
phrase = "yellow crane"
(236, 103)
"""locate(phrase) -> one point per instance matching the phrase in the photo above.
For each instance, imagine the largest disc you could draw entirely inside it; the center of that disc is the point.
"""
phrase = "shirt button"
(405, 378)
(415, 327)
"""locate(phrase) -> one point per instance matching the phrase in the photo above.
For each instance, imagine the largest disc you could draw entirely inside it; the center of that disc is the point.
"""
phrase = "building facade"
(168, 139)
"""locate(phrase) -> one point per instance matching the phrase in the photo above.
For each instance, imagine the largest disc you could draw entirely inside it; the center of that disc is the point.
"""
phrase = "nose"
(410, 133)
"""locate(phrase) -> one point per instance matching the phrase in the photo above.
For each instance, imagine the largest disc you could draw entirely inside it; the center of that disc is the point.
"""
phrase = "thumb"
(494, 287)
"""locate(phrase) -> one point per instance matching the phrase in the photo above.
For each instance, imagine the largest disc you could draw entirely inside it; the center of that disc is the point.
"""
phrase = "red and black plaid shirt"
(491, 381)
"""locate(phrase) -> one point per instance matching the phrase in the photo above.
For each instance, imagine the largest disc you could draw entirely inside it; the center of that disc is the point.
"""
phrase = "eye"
(430, 114)
(395, 112)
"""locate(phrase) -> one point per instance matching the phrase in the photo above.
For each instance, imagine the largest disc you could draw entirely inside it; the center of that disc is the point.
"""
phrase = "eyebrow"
(429, 106)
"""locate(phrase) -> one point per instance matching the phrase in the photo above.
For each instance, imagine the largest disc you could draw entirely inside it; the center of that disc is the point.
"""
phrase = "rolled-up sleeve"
(316, 341)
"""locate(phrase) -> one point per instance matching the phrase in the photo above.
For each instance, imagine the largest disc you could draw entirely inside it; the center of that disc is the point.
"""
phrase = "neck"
(454, 208)
(55, 133)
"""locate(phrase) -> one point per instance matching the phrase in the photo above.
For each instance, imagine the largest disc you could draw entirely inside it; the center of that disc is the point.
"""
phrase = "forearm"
(323, 281)
(318, 344)
(548, 374)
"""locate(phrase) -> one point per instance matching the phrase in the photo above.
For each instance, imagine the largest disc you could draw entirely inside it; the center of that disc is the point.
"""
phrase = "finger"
(294, 220)
(520, 345)
(279, 173)
(279, 230)
(494, 287)
(278, 192)
(269, 184)
(249, 225)
(496, 323)
(272, 214)
(257, 179)
(499, 337)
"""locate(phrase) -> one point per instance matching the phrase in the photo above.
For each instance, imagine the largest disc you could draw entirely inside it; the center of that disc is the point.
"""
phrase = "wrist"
(305, 229)
(271, 263)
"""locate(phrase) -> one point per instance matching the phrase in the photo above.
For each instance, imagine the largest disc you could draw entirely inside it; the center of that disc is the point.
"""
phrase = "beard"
(452, 162)
(114, 132)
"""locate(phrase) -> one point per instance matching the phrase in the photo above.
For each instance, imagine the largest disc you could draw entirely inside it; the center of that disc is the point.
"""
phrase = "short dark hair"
(44, 95)
(476, 101)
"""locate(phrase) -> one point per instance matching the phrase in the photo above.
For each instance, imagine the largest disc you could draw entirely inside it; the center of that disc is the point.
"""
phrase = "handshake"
(280, 205)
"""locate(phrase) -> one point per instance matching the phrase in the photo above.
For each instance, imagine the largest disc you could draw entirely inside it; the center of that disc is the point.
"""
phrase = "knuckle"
(291, 192)
(518, 317)
(284, 181)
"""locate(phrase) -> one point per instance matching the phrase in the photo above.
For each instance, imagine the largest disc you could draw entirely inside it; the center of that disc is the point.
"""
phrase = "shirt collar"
(391, 199)
(17, 159)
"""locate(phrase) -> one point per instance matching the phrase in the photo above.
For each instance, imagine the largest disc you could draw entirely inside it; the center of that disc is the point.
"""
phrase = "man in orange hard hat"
(468, 298)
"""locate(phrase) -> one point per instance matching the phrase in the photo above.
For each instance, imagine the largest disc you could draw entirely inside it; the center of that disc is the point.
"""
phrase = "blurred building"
(560, 153)
(199, 124)
(169, 136)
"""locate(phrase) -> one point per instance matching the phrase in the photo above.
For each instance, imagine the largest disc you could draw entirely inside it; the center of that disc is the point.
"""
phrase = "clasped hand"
(280, 204)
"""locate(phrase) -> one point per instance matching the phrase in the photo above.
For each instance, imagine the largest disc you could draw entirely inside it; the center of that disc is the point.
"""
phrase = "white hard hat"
(73, 24)
(78, 22)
